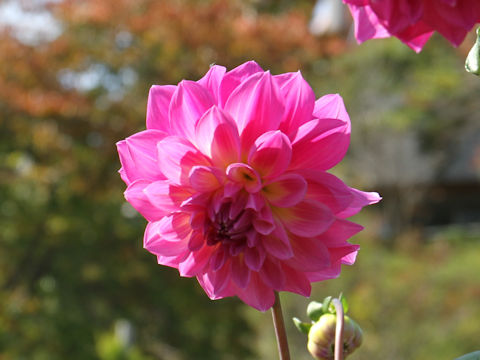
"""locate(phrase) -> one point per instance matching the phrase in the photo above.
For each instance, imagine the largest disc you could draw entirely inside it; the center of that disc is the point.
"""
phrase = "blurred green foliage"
(71, 259)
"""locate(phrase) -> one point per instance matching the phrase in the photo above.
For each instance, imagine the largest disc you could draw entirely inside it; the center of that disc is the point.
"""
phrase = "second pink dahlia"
(414, 21)
(231, 176)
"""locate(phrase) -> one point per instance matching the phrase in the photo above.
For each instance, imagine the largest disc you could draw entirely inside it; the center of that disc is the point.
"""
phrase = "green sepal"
(472, 356)
(326, 305)
(315, 310)
(302, 326)
(344, 302)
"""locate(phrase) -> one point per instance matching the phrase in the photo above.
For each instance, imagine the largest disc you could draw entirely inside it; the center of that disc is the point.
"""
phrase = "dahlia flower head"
(231, 177)
(414, 21)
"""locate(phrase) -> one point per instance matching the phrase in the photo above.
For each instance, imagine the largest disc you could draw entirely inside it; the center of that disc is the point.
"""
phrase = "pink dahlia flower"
(414, 21)
(231, 176)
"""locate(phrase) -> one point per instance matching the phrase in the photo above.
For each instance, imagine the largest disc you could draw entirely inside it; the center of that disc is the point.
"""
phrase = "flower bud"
(321, 337)
(472, 64)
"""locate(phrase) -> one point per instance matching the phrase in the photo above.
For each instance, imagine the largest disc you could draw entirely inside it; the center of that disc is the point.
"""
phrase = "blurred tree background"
(75, 282)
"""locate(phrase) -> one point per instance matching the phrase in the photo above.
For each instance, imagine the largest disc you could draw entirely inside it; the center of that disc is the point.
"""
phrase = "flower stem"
(339, 329)
(279, 326)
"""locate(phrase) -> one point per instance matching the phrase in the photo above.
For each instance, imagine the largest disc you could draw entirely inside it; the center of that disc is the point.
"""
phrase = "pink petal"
(195, 263)
(286, 190)
(350, 258)
(308, 218)
(328, 190)
(138, 156)
(216, 283)
(277, 243)
(172, 261)
(299, 100)
(235, 77)
(189, 102)
(217, 137)
(254, 258)
(331, 272)
(296, 281)
(416, 37)
(338, 234)
(176, 157)
(167, 237)
(244, 175)
(264, 223)
(157, 107)
(310, 254)
(196, 241)
(212, 80)
(136, 196)
(240, 272)
(165, 195)
(320, 144)
(271, 154)
(218, 258)
(331, 106)
(367, 24)
(272, 274)
(257, 294)
(360, 200)
(256, 107)
(346, 254)
(205, 178)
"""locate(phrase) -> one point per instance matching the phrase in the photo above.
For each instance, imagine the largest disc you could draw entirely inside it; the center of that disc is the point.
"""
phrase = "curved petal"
(277, 243)
(195, 263)
(165, 195)
(286, 190)
(264, 222)
(135, 195)
(271, 154)
(216, 283)
(310, 254)
(240, 272)
(172, 261)
(296, 281)
(189, 102)
(272, 274)
(308, 218)
(244, 175)
(216, 136)
(256, 107)
(328, 190)
(367, 24)
(205, 178)
(235, 77)
(257, 294)
(331, 106)
(332, 272)
(176, 157)
(338, 234)
(254, 258)
(138, 156)
(212, 80)
(346, 254)
(299, 100)
(360, 200)
(167, 237)
(320, 144)
(159, 98)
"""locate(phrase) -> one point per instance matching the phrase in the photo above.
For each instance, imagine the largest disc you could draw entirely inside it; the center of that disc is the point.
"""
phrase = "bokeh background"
(75, 282)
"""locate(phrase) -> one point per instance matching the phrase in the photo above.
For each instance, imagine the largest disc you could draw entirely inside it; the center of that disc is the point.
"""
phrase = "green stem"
(279, 326)
(338, 329)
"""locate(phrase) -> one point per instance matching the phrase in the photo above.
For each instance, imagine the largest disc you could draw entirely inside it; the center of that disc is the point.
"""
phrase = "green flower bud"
(321, 337)
(472, 64)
